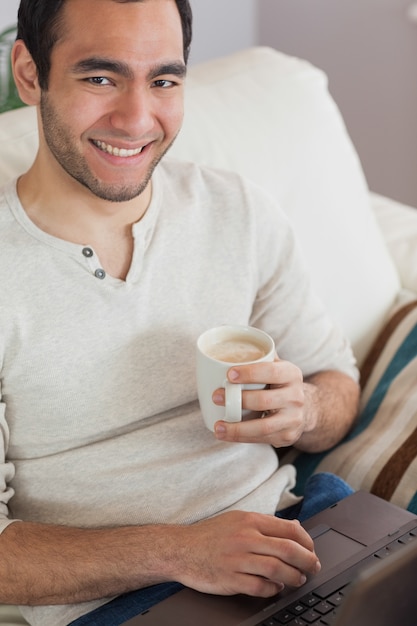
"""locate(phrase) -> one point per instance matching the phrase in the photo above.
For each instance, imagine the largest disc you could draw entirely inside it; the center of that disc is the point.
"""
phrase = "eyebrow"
(100, 64)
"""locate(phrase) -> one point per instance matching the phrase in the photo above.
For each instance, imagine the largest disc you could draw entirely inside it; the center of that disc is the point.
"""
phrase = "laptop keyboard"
(312, 609)
(320, 607)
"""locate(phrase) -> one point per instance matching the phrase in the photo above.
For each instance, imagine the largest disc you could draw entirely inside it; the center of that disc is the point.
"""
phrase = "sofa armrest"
(398, 223)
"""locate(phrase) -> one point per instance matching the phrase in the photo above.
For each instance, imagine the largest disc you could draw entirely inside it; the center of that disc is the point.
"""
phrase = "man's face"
(114, 103)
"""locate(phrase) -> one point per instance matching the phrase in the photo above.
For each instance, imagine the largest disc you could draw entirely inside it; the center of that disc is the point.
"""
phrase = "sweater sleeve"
(286, 305)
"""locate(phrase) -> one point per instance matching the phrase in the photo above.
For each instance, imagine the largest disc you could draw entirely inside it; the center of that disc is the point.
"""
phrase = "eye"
(164, 83)
(98, 80)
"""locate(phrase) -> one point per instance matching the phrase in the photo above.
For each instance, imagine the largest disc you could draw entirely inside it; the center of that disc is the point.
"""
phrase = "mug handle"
(233, 404)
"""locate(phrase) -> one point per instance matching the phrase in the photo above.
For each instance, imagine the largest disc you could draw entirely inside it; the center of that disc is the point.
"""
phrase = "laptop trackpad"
(333, 548)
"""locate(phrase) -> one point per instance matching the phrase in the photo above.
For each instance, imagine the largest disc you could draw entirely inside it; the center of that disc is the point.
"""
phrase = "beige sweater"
(99, 422)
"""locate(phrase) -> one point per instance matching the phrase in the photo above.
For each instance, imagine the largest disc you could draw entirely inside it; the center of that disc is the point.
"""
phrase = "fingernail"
(318, 566)
(220, 429)
(233, 375)
(303, 580)
(217, 398)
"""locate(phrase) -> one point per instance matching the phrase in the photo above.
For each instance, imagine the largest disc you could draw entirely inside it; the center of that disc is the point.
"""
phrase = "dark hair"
(39, 27)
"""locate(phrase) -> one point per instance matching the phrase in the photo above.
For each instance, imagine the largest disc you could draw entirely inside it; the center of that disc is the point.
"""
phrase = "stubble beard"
(61, 144)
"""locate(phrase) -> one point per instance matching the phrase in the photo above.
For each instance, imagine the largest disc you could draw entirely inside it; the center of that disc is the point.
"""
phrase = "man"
(111, 265)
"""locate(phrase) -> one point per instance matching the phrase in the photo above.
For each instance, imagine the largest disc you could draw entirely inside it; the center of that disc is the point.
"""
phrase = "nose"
(133, 112)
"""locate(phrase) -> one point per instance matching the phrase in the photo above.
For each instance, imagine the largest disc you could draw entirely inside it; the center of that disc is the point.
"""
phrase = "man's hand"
(312, 414)
(249, 553)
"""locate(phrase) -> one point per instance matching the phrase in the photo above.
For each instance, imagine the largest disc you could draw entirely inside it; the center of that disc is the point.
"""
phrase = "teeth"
(119, 152)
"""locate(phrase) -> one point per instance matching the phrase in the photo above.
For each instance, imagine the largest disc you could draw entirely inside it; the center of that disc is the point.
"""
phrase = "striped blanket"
(380, 453)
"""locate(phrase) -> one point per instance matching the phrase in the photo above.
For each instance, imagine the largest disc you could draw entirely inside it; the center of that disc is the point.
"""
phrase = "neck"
(68, 210)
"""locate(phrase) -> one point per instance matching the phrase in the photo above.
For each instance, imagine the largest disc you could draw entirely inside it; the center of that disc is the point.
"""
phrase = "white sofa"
(271, 118)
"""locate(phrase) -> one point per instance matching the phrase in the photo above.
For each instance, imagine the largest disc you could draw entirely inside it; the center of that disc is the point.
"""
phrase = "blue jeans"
(321, 491)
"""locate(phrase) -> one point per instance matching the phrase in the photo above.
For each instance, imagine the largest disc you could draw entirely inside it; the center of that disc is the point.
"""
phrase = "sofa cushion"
(270, 117)
(380, 453)
(18, 142)
(10, 616)
(398, 222)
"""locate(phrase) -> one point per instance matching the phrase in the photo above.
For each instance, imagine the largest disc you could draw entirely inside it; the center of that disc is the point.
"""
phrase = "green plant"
(9, 98)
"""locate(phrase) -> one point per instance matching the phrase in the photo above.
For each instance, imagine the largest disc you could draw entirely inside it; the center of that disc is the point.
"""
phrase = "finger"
(218, 396)
(263, 530)
(297, 559)
(275, 527)
(259, 373)
(272, 398)
(276, 570)
(267, 372)
(277, 430)
(256, 586)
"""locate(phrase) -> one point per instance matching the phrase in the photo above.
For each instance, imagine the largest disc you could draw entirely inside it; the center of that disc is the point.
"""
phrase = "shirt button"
(87, 252)
(101, 274)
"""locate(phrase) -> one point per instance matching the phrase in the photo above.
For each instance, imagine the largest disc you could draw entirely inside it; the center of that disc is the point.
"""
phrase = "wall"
(220, 26)
(8, 12)
(368, 48)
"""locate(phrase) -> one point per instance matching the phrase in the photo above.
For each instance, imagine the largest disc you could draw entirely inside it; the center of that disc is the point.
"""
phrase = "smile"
(119, 152)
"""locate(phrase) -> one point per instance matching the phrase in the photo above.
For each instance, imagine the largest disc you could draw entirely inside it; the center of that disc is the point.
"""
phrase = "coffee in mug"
(218, 349)
(237, 350)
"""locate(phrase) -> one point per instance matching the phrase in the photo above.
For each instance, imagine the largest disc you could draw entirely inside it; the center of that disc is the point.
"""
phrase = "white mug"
(219, 349)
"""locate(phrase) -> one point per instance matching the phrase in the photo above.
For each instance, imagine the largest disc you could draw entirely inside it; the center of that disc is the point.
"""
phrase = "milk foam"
(239, 350)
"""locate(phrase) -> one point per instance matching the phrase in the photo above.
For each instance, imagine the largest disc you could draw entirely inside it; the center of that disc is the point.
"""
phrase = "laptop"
(368, 551)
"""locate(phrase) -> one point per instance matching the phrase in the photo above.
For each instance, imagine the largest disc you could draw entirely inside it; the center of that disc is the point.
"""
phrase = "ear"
(25, 74)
